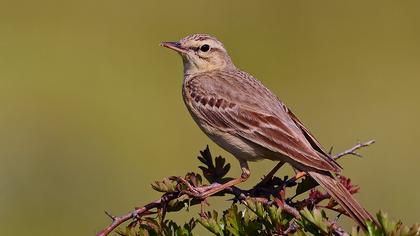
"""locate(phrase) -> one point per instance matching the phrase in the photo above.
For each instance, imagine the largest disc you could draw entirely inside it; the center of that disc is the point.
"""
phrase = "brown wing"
(240, 108)
(309, 136)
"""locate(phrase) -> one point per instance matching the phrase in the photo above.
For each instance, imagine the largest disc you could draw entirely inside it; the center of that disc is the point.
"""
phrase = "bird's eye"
(204, 47)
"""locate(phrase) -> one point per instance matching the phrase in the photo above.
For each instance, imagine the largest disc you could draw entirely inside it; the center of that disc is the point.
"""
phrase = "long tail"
(339, 193)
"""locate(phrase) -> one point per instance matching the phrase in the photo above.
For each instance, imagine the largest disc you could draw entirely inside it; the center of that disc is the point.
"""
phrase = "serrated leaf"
(373, 230)
(165, 185)
(317, 224)
(169, 227)
(260, 211)
(177, 204)
(275, 214)
(250, 203)
(233, 220)
(387, 225)
(213, 171)
(249, 215)
(255, 206)
(151, 225)
(211, 223)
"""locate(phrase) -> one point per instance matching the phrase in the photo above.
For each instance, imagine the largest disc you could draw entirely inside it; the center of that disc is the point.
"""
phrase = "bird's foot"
(201, 192)
(203, 204)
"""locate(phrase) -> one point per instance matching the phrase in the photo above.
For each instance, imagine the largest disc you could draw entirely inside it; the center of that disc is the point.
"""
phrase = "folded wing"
(277, 129)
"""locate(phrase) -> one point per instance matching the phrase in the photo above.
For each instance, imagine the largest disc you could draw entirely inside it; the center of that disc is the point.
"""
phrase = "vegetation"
(265, 209)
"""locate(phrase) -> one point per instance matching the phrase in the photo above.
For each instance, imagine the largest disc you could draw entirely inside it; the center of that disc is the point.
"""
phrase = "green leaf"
(275, 214)
(234, 221)
(178, 203)
(211, 223)
(256, 206)
(387, 225)
(165, 185)
(373, 230)
(257, 218)
(314, 222)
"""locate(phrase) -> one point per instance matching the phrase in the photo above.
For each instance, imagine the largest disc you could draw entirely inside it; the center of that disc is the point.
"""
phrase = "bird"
(241, 115)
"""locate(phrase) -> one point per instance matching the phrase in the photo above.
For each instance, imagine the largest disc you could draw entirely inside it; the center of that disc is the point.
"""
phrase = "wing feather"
(260, 119)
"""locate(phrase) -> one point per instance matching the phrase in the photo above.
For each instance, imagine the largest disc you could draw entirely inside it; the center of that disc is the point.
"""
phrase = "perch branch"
(138, 212)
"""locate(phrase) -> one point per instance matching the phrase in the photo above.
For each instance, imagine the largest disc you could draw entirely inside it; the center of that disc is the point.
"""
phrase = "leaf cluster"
(262, 210)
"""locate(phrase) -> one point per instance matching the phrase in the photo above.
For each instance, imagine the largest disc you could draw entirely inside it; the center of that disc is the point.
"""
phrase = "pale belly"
(234, 145)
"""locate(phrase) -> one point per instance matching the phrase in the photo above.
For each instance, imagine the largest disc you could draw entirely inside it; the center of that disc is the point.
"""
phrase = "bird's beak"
(174, 46)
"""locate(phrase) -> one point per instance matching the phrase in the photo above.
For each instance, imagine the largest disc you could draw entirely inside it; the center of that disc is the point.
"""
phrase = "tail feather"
(340, 194)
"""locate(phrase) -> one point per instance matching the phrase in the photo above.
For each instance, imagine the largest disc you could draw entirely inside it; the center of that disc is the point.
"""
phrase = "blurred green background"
(91, 110)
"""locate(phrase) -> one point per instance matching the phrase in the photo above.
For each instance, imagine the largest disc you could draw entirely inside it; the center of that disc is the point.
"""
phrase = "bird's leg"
(270, 174)
(217, 188)
(196, 192)
(202, 211)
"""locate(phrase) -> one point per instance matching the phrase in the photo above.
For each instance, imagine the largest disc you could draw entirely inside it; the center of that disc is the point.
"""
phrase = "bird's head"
(201, 53)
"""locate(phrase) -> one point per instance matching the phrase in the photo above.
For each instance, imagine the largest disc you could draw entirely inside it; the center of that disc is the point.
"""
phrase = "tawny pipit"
(246, 119)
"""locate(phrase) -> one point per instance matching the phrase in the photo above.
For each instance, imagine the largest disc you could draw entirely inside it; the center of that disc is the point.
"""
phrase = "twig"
(292, 211)
(109, 215)
(352, 151)
(116, 221)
